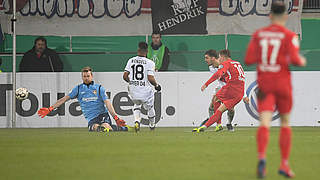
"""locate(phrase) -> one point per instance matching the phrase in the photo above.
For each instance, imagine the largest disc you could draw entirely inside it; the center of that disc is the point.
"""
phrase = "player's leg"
(211, 106)
(214, 118)
(262, 141)
(284, 104)
(106, 124)
(93, 125)
(210, 110)
(137, 113)
(149, 106)
(217, 115)
(230, 114)
(216, 105)
(266, 104)
(137, 110)
(105, 121)
(106, 127)
(217, 102)
(285, 146)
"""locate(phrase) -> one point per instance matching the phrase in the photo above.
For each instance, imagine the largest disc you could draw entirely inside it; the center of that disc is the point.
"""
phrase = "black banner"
(179, 16)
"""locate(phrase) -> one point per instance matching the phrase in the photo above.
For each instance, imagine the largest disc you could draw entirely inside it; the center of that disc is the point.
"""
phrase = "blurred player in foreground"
(139, 73)
(211, 57)
(273, 49)
(230, 94)
(93, 99)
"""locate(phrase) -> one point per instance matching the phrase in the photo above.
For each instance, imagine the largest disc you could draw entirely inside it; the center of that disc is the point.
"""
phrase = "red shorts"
(230, 96)
(277, 97)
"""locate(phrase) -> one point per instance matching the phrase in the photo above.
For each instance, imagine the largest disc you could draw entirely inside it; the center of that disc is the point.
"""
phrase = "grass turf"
(166, 153)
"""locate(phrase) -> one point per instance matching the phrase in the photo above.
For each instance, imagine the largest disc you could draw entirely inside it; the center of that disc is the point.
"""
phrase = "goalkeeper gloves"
(45, 111)
(157, 87)
(120, 122)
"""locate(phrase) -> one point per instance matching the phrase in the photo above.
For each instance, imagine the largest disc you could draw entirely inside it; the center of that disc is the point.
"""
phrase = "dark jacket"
(49, 61)
(166, 58)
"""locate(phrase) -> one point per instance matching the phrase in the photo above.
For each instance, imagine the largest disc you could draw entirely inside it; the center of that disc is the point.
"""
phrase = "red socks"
(216, 105)
(217, 115)
(285, 144)
(262, 141)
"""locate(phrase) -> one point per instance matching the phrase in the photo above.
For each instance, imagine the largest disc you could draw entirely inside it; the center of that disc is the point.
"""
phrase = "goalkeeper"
(93, 99)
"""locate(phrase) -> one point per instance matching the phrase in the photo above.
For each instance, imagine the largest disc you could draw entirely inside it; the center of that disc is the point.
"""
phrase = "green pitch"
(166, 153)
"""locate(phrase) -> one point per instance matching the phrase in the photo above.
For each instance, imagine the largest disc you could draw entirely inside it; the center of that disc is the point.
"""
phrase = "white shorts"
(147, 103)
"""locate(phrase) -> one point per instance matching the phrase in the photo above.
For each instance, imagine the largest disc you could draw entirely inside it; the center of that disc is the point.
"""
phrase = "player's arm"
(127, 72)
(61, 101)
(295, 57)
(110, 108)
(153, 81)
(151, 78)
(73, 94)
(45, 111)
(106, 101)
(126, 76)
(215, 76)
(251, 54)
(120, 122)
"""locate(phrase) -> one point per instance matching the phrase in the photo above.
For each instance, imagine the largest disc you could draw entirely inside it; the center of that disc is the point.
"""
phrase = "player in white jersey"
(139, 73)
(220, 83)
(211, 57)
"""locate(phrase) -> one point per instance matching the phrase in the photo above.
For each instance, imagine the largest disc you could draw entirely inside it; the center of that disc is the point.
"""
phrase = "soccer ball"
(22, 93)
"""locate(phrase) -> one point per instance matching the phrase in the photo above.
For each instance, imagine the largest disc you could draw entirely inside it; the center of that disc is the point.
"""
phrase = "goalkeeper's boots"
(230, 127)
(137, 126)
(285, 171)
(199, 129)
(104, 129)
(203, 122)
(218, 128)
(261, 169)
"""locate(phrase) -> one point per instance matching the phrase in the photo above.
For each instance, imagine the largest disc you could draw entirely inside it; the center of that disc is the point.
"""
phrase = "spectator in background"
(158, 53)
(41, 59)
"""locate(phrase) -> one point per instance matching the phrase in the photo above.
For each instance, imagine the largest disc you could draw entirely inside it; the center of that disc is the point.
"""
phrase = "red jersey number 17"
(265, 43)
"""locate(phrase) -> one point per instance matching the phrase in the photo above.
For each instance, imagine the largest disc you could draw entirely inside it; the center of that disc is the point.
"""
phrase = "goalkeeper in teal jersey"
(93, 102)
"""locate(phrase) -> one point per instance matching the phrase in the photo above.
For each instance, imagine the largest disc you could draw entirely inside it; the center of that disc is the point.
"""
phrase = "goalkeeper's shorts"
(102, 118)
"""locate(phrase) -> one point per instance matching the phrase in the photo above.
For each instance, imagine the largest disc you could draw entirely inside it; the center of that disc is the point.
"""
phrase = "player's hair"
(143, 47)
(156, 32)
(225, 53)
(278, 7)
(211, 53)
(40, 38)
(86, 69)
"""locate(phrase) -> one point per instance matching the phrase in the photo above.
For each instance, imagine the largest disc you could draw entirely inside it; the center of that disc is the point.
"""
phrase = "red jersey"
(231, 72)
(273, 48)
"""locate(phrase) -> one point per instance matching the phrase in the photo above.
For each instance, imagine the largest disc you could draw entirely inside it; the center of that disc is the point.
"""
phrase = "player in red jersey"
(230, 94)
(273, 49)
(211, 58)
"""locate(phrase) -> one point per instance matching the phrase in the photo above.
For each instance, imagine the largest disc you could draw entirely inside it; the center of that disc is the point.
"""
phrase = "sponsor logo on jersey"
(252, 107)
(89, 99)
